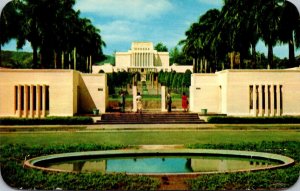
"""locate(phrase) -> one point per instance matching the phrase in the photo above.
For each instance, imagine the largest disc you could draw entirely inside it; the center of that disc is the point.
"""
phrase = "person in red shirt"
(184, 102)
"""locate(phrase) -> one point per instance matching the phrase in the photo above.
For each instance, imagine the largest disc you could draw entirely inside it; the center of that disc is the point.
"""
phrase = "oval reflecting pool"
(158, 162)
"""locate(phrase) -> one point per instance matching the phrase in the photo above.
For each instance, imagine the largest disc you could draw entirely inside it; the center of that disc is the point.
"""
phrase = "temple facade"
(142, 58)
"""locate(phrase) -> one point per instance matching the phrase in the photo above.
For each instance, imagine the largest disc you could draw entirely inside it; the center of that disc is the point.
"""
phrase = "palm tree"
(31, 13)
(191, 44)
(54, 28)
(288, 25)
(8, 24)
(270, 12)
(211, 41)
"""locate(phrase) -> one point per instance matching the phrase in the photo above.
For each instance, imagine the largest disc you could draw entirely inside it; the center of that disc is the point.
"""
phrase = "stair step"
(150, 118)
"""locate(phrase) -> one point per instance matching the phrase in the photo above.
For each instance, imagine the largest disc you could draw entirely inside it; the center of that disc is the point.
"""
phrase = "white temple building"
(142, 58)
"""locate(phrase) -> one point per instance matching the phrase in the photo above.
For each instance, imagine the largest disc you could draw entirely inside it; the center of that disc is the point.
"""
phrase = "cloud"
(129, 9)
(212, 2)
(119, 31)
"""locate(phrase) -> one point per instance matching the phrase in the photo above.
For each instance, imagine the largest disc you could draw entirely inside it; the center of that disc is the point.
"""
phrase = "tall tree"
(53, 28)
(9, 26)
(270, 12)
(288, 26)
(160, 47)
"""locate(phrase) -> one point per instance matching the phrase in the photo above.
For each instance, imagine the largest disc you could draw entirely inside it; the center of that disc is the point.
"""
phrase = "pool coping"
(287, 161)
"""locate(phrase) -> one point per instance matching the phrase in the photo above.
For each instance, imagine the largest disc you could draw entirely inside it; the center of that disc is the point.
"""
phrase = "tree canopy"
(54, 30)
(160, 47)
(227, 38)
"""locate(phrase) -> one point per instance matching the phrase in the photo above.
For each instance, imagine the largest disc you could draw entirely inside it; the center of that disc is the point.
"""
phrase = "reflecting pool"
(160, 164)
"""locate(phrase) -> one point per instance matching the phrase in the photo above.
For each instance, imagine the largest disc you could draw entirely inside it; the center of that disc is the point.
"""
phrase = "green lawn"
(150, 137)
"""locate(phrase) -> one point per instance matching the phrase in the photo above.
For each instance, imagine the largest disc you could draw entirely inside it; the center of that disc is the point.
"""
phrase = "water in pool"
(161, 164)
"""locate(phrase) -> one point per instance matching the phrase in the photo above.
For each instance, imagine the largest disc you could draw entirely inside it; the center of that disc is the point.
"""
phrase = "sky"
(124, 21)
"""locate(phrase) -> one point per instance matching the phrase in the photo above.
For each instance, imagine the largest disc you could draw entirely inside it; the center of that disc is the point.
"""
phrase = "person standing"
(139, 103)
(123, 97)
(169, 101)
(184, 102)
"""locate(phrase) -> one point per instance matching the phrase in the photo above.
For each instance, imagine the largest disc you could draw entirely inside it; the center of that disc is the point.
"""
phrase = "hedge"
(11, 164)
(253, 120)
(261, 180)
(47, 121)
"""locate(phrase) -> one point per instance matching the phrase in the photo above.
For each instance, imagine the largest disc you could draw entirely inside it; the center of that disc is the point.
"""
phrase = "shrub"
(13, 173)
(253, 120)
(47, 121)
(265, 180)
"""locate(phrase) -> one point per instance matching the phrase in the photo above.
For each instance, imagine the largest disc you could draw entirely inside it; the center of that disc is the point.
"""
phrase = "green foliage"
(175, 80)
(58, 33)
(266, 180)
(160, 47)
(108, 59)
(177, 56)
(118, 80)
(16, 176)
(47, 121)
(11, 59)
(253, 120)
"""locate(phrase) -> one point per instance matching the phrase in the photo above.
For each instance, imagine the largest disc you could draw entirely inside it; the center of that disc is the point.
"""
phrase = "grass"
(231, 135)
(149, 137)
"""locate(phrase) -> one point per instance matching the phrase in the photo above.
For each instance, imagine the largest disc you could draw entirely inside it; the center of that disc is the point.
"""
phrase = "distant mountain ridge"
(16, 59)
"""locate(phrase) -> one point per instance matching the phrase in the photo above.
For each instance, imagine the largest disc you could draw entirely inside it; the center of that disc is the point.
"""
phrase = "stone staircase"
(150, 118)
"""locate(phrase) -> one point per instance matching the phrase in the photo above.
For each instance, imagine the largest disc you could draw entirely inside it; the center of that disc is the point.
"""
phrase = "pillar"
(26, 96)
(142, 62)
(31, 114)
(163, 98)
(134, 94)
(133, 59)
(139, 59)
(150, 60)
(19, 101)
(260, 103)
(147, 57)
(278, 112)
(272, 100)
(38, 100)
(254, 100)
(267, 112)
(136, 59)
(44, 101)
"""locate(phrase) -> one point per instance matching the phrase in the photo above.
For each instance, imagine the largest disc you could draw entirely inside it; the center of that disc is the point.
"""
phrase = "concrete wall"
(107, 68)
(228, 92)
(69, 92)
(93, 92)
(180, 68)
(204, 93)
(60, 84)
(122, 60)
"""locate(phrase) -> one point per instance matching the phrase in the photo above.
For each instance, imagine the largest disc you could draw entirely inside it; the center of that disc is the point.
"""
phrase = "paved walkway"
(151, 127)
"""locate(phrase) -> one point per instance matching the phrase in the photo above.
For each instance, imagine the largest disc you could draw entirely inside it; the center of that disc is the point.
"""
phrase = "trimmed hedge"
(261, 180)
(15, 175)
(253, 120)
(47, 121)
